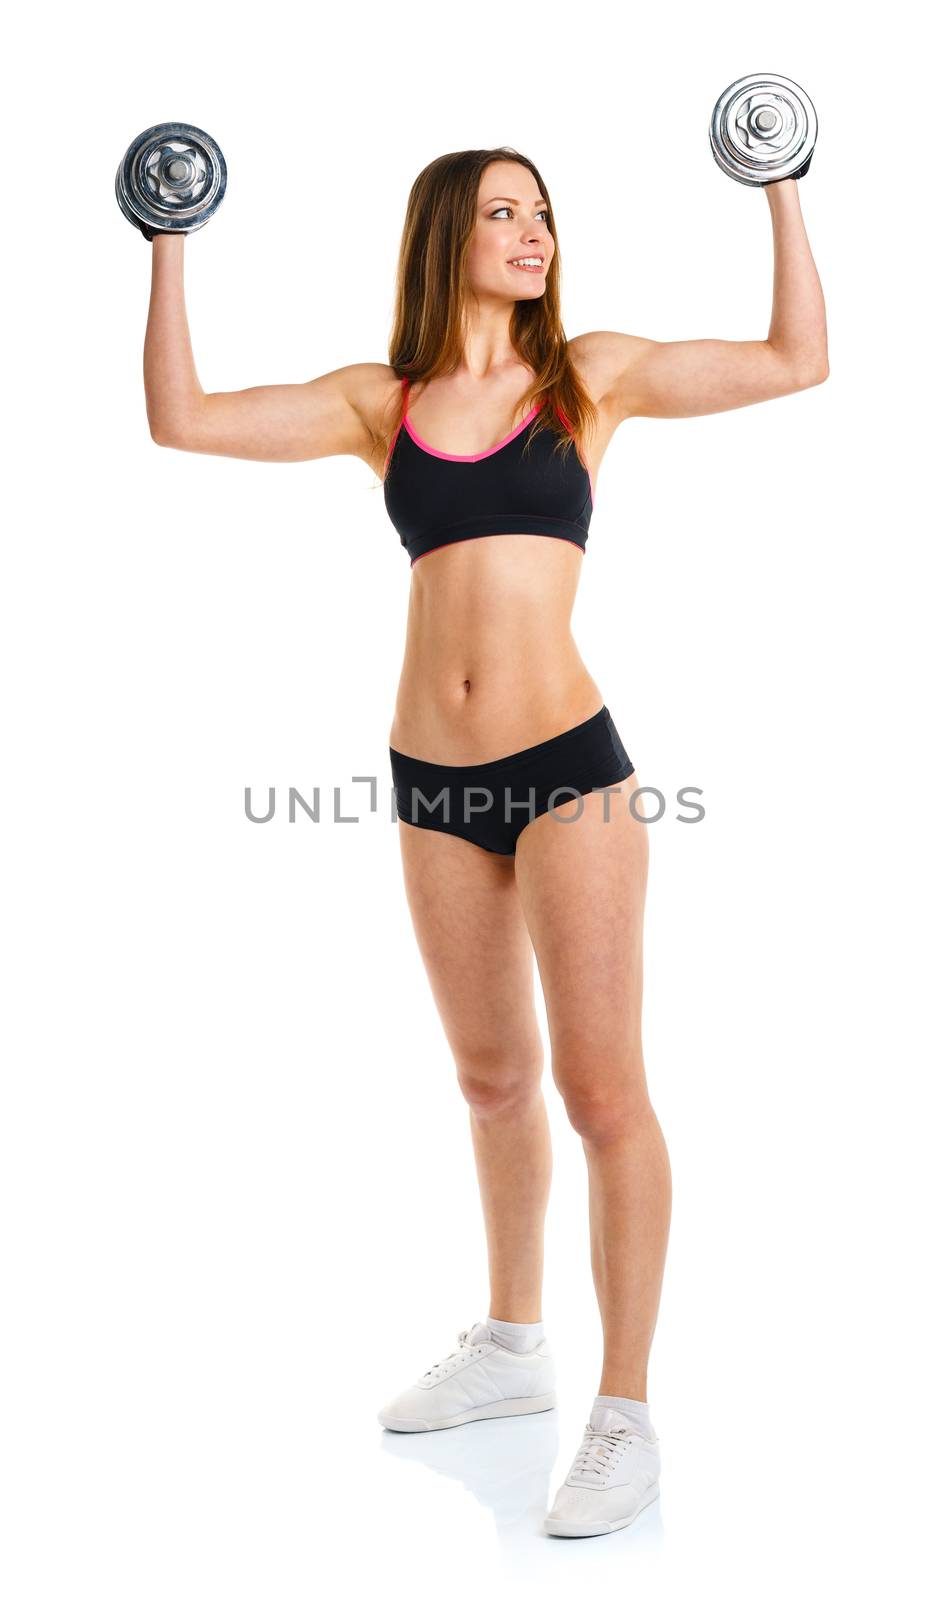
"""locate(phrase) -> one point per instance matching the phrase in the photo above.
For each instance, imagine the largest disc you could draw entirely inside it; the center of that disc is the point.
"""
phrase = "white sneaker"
(616, 1473)
(479, 1379)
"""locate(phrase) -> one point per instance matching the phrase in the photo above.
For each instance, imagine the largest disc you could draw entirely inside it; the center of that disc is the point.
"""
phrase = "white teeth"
(526, 261)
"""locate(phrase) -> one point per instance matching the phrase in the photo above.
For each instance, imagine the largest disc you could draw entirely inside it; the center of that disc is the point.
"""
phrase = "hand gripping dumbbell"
(171, 179)
(763, 129)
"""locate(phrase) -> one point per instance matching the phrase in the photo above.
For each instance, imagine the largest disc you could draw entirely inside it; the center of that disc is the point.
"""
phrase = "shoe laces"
(600, 1449)
(457, 1356)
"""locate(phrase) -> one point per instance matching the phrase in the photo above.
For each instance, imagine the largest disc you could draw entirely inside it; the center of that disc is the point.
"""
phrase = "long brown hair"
(427, 332)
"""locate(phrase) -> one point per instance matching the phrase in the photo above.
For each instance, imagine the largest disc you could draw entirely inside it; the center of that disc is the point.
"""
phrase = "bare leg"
(476, 949)
(583, 886)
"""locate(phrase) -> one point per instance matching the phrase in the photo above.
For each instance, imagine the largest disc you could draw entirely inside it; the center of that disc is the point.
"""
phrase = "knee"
(496, 1080)
(604, 1107)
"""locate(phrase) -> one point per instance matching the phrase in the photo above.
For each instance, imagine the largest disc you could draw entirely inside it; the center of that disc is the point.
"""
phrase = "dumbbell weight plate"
(763, 128)
(172, 178)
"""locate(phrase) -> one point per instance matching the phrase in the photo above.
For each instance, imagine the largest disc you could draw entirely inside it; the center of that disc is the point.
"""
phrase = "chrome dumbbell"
(763, 128)
(171, 179)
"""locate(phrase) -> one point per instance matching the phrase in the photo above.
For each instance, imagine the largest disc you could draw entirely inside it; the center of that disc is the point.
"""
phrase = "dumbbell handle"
(798, 174)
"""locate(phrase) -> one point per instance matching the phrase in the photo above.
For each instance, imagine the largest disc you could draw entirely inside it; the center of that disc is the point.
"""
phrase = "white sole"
(497, 1408)
(584, 1530)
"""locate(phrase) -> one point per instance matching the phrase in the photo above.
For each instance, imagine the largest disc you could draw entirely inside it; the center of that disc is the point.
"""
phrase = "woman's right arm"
(276, 422)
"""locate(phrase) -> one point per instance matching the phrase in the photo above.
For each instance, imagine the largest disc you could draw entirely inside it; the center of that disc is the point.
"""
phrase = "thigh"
(582, 885)
(474, 943)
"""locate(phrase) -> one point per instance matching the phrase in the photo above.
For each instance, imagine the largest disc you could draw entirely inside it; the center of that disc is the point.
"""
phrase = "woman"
(520, 832)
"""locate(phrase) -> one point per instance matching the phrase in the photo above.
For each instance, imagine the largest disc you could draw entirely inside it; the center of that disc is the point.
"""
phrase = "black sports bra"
(434, 498)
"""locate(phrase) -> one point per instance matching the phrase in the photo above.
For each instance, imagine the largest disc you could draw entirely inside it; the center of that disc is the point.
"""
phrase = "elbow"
(168, 425)
(809, 377)
(165, 437)
(177, 429)
(158, 431)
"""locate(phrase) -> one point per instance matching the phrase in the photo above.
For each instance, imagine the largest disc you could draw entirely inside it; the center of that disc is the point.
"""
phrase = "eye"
(543, 213)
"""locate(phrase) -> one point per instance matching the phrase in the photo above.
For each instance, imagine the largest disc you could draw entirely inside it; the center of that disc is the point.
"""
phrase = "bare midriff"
(491, 666)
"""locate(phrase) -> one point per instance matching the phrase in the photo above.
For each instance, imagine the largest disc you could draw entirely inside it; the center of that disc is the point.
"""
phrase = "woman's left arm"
(693, 377)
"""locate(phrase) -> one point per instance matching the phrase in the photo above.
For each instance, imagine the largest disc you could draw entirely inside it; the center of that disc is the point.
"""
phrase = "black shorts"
(491, 802)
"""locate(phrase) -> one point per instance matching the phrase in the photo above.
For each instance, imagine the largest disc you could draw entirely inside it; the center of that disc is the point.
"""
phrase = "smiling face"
(512, 225)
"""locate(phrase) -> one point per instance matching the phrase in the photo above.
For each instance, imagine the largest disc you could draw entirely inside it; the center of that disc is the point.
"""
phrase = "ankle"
(520, 1337)
(636, 1411)
(624, 1384)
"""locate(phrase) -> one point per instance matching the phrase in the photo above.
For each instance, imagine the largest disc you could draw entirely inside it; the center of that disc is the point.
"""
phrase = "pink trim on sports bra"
(445, 455)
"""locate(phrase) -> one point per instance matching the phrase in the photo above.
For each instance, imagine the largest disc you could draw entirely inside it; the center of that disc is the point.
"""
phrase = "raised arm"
(328, 416)
(693, 377)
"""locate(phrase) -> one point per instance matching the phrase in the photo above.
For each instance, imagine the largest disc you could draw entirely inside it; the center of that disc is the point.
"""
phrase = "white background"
(239, 1202)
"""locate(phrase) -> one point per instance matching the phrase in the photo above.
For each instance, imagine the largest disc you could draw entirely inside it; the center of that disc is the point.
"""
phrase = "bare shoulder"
(372, 389)
(602, 357)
